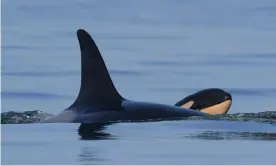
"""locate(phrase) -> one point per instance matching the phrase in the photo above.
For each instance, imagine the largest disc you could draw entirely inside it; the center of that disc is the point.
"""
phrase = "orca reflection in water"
(94, 131)
(99, 102)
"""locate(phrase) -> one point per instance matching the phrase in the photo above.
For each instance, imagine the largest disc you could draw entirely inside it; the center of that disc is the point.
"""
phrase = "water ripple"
(167, 63)
(229, 60)
(35, 47)
(139, 36)
(40, 73)
(68, 73)
(223, 135)
(233, 91)
(253, 56)
(33, 95)
(238, 63)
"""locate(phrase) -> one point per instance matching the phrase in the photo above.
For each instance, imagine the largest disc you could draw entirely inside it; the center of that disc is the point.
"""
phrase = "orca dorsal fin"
(96, 87)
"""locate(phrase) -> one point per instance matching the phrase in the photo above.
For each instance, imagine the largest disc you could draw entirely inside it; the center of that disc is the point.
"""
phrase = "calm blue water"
(156, 50)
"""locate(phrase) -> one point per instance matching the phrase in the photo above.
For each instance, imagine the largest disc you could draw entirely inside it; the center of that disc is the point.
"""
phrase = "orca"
(98, 100)
(213, 101)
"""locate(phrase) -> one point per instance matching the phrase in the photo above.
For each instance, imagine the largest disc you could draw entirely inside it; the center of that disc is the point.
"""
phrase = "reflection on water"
(97, 131)
(89, 155)
(94, 131)
(223, 135)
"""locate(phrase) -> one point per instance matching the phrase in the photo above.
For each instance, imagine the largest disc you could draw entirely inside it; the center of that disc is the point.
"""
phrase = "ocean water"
(155, 50)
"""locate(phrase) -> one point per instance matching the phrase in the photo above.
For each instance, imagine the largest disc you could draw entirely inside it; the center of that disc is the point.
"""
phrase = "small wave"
(253, 91)
(262, 117)
(226, 135)
(264, 56)
(232, 91)
(40, 73)
(238, 63)
(32, 95)
(166, 63)
(66, 73)
(126, 73)
(139, 37)
(34, 47)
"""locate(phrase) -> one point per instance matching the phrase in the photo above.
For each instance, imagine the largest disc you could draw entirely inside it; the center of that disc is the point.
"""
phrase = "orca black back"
(98, 100)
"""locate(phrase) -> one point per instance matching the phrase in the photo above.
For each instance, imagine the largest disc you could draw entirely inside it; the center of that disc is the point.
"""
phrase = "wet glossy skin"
(131, 111)
(211, 101)
(99, 102)
(138, 111)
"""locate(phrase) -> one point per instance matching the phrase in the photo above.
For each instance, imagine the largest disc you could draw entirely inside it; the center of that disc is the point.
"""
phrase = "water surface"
(189, 142)
(158, 51)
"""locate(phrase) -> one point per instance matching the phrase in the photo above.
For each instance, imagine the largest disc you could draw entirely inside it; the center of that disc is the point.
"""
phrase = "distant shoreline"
(35, 116)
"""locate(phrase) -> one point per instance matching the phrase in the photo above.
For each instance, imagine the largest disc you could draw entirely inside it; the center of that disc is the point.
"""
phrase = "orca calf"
(98, 100)
(213, 101)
